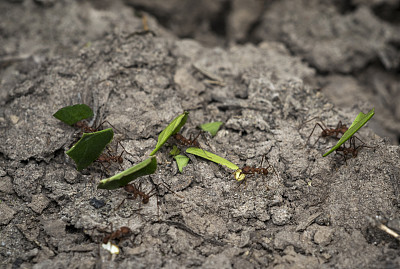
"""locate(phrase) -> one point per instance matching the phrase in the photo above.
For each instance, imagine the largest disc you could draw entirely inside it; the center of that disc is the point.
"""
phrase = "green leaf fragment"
(181, 161)
(359, 122)
(212, 157)
(211, 127)
(89, 147)
(175, 151)
(171, 129)
(147, 167)
(72, 114)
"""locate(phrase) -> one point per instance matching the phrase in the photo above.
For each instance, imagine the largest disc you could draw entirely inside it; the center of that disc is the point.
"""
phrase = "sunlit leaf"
(359, 122)
(72, 114)
(144, 168)
(212, 157)
(89, 147)
(181, 161)
(171, 129)
(211, 127)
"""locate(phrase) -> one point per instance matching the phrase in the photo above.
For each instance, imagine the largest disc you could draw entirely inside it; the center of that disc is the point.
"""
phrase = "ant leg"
(363, 143)
(318, 118)
(262, 160)
(315, 126)
(339, 125)
(123, 201)
(168, 188)
(195, 137)
(146, 199)
(127, 152)
(106, 168)
(106, 121)
(273, 168)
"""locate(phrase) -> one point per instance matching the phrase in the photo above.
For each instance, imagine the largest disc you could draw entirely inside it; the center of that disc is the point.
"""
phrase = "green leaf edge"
(171, 129)
(211, 157)
(72, 114)
(182, 161)
(84, 137)
(211, 127)
(147, 167)
(358, 122)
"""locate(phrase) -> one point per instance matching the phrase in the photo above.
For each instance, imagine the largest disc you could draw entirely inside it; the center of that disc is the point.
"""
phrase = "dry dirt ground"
(314, 212)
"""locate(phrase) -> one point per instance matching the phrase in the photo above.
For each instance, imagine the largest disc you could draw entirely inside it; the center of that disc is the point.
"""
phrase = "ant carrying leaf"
(182, 160)
(352, 149)
(146, 167)
(359, 122)
(120, 234)
(240, 174)
(89, 147)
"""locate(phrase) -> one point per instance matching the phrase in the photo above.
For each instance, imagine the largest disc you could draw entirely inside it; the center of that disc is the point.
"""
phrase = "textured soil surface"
(277, 65)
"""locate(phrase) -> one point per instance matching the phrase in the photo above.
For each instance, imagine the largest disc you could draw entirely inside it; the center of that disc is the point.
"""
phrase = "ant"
(187, 142)
(352, 149)
(328, 132)
(137, 192)
(119, 234)
(145, 197)
(109, 157)
(131, 188)
(240, 174)
(84, 126)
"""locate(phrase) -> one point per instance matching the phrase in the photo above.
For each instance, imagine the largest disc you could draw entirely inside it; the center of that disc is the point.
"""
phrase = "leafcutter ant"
(84, 126)
(187, 142)
(119, 234)
(328, 132)
(352, 149)
(137, 192)
(190, 142)
(240, 174)
(110, 158)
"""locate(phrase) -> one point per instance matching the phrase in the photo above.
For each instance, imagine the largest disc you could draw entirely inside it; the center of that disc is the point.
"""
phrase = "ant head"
(246, 169)
(146, 200)
(120, 159)
(129, 188)
(239, 176)
(125, 230)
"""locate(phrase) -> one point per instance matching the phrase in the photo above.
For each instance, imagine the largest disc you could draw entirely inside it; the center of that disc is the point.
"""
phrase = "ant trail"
(240, 174)
(326, 131)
